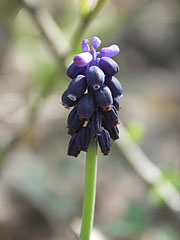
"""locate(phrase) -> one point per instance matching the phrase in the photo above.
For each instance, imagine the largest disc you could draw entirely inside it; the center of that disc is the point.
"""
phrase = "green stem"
(89, 191)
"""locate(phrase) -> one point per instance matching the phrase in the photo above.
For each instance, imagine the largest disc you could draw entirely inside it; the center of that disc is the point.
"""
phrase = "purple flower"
(113, 130)
(85, 107)
(95, 123)
(112, 116)
(104, 142)
(83, 139)
(66, 102)
(109, 66)
(94, 92)
(96, 42)
(77, 87)
(95, 77)
(82, 59)
(114, 85)
(74, 124)
(73, 70)
(104, 98)
(110, 51)
(73, 149)
(85, 45)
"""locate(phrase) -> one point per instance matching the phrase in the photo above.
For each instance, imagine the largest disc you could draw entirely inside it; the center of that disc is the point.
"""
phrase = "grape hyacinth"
(94, 94)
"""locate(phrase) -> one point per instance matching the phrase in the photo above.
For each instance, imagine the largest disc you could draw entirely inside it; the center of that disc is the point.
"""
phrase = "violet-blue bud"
(73, 149)
(85, 107)
(82, 59)
(85, 45)
(114, 85)
(109, 66)
(66, 102)
(109, 51)
(77, 87)
(73, 70)
(96, 42)
(95, 77)
(104, 98)
(104, 142)
(83, 139)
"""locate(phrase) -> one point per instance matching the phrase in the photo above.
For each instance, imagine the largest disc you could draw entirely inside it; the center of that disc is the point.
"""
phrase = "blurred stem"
(89, 191)
(85, 21)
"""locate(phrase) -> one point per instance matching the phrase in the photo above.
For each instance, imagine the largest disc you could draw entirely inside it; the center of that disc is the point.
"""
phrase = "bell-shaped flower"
(104, 142)
(83, 139)
(109, 66)
(104, 98)
(73, 122)
(95, 77)
(77, 87)
(85, 107)
(73, 149)
(73, 70)
(114, 85)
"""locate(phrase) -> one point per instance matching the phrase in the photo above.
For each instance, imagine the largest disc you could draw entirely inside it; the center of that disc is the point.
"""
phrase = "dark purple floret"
(95, 77)
(96, 124)
(116, 103)
(112, 116)
(73, 122)
(113, 130)
(73, 70)
(114, 85)
(104, 98)
(66, 102)
(77, 87)
(104, 142)
(85, 107)
(83, 139)
(109, 66)
(73, 149)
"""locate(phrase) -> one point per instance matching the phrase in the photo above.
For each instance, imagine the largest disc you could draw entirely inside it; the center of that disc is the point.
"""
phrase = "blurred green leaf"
(136, 130)
(173, 176)
(132, 225)
(45, 77)
(85, 7)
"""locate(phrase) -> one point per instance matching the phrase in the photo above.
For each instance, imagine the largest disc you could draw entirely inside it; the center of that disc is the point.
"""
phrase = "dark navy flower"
(116, 103)
(83, 139)
(112, 116)
(73, 149)
(73, 70)
(74, 124)
(96, 124)
(85, 107)
(104, 142)
(113, 130)
(104, 98)
(94, 92)
(109, 66)
(66, 102)
(114, 85)
(95, 77)
(77, 87)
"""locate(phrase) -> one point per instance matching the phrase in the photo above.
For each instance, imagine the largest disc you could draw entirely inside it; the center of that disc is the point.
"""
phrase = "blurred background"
(41, 188)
